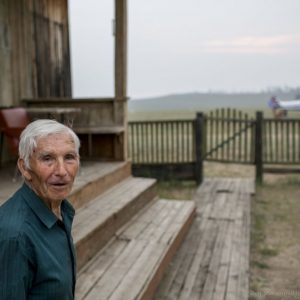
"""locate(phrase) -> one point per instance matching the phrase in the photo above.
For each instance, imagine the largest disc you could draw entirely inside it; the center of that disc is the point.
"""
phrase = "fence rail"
(177, 148)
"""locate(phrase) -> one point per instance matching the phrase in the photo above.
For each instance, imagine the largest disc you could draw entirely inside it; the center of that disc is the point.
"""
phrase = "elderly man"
(37, 255)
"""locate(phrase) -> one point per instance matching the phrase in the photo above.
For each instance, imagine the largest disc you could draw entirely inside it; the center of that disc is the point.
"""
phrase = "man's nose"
(61, 168)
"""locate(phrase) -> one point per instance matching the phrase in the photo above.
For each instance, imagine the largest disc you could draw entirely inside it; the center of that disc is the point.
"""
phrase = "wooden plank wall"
(94, 113)
(34, 50)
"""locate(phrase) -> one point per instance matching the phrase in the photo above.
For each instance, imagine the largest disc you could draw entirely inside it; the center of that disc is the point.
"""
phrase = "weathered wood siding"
(34, 50)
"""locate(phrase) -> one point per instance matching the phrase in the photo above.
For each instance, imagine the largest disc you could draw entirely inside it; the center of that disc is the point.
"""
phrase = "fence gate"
(229, 136)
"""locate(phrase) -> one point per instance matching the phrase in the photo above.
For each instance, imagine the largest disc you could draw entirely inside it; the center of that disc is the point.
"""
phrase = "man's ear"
(23, 169)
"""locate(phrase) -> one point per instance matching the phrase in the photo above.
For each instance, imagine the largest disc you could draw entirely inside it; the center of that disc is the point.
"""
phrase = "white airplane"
(281, 107)
(290, 105)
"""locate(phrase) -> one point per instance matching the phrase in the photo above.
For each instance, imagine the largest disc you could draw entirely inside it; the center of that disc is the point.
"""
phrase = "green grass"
(269, 252)
(179, 114)
(260, 265)
(274, 231)
(175, 189)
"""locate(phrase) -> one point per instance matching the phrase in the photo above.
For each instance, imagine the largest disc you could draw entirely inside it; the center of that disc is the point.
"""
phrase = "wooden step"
(132, 264)
(97, 221)
(95, 178)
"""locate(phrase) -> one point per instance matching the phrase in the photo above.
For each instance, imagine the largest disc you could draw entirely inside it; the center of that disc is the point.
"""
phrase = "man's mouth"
(59, 184)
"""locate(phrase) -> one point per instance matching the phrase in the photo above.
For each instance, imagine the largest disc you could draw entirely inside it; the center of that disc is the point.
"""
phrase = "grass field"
(275, 246)
(177, 115)
(191, 114)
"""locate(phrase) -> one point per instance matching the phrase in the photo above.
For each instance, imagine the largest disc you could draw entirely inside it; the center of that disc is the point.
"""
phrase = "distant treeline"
(210, 100)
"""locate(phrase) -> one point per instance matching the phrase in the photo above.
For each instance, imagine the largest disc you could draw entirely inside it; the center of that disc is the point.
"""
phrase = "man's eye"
(47, 158)
(70, 157)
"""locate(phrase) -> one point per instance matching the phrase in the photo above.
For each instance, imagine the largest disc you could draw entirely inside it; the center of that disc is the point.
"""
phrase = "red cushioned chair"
(12, 122)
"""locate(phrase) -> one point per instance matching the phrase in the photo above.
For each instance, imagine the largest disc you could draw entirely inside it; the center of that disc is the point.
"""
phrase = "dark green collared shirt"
(37, 256)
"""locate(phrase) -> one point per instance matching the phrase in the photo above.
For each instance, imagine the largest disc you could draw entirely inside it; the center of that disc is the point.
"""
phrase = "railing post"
(199, 147)
(259, 147)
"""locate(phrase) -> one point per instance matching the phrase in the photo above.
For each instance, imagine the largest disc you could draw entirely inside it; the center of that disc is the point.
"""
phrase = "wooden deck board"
(96, 179)
(132, 269)
(88, 173)
(197, 258)
(105, 205)
(97, 221)
(184, 261)
(121, 265)
(140, 272)
(213, 262)
(89, 276)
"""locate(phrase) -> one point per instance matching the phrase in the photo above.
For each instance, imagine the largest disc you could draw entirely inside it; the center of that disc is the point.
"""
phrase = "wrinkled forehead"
(55, 142)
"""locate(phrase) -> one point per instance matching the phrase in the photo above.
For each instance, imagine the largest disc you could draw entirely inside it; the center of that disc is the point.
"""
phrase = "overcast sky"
(180, 46)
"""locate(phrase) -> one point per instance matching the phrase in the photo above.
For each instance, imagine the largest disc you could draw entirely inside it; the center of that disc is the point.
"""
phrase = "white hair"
(39, 129)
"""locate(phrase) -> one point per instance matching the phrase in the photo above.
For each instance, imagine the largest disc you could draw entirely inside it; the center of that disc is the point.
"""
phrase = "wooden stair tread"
(98, 220)
(109, 203)
(129, 266)
(95, 178)
(93, 170)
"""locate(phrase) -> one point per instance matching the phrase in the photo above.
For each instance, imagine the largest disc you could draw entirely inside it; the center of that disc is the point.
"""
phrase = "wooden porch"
(122, 231)
(126, 238)
(213, 261)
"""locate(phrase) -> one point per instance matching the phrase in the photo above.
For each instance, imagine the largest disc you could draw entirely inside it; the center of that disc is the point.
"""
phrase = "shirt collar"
(46, 216)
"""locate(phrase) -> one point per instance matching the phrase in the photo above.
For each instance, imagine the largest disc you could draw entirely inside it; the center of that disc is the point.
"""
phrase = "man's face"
(53, 167)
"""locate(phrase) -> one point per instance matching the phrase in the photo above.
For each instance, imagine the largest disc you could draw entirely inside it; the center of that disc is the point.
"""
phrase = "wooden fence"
(177, 149)
(229, 136)
(162, 148)
(281, 141)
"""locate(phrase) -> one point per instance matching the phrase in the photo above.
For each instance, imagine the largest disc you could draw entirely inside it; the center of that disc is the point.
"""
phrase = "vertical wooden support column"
(199, 147)
(120, 103)
(259, 147)
(120, 49)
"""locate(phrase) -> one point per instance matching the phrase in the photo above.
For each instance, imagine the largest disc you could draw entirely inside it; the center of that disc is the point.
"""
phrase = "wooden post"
(120, 103)
(259, 147)
(199, 138)
(120, 49)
